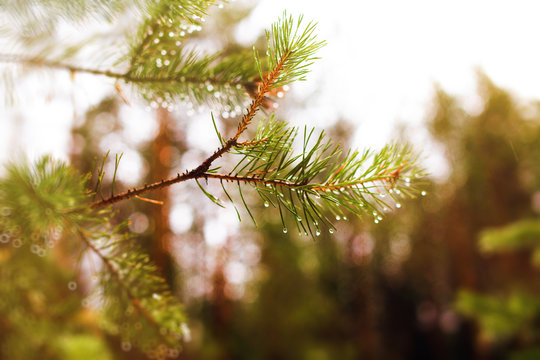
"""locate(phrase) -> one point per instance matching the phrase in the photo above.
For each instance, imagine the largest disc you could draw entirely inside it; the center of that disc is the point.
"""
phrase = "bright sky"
(379, 67)
(384, 57)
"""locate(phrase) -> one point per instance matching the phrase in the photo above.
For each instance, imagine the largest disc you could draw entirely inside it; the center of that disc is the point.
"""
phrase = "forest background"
(447, 276)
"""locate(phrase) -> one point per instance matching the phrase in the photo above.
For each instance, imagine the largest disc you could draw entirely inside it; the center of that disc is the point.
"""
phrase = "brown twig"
(126, 76)
(135, 192)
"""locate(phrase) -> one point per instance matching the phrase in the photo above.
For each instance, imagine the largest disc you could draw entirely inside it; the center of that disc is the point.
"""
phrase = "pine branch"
(159, 64)
(289, 49)
(312, 185)
(237, 83)
(321, 181)
(41, 204)
(129, 275)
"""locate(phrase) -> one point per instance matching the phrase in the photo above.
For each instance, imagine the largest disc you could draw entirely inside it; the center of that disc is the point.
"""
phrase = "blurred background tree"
(433, 281)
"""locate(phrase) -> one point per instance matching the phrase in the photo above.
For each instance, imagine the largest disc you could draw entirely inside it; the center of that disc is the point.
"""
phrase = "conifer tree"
(299, 172)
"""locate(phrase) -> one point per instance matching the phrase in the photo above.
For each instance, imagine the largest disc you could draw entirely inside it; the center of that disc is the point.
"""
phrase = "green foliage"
(46, 204)
(518, 235)
(37, 308)
(320, 184)
(38, 200)
(290, 50)
(494, 169)
(137, 303)
(167, 72)
(82, 347)
(500, 318)
(532, 353)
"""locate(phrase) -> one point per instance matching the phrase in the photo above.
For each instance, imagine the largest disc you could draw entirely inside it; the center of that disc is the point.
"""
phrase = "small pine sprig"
(137, 303)
(46, 203)
(167, 72)
(37, 200)
(320, 184)
(291, 50)
(157, 62)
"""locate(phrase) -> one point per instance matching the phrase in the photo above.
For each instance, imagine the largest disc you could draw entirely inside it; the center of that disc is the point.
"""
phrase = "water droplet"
(266, 204)
(171, 34)
(398, 205)
(374, 213)
(72, 285)
(398, 191)
(285, 230)
(407, 180)
(220, 6)
(299, 219)
(379, 218)
(338, 217)
(345, 218)
(17, 243)
(423, 193)
(166, 62)
(126, 345)
(156, 41)
(376, 221)
(210, 87)
(318, 232)
(315, 223)
(331, 231)
(4, 238)
(163, 52)
(156, 296)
